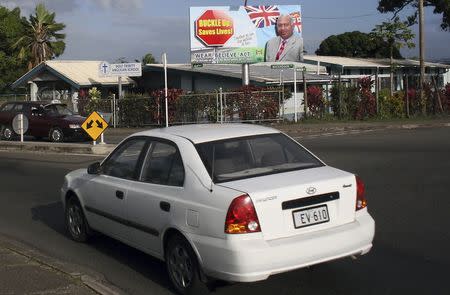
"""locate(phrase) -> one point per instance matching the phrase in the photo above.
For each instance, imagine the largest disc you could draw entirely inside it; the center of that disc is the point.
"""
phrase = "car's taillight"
(361, 201)
(241, 217)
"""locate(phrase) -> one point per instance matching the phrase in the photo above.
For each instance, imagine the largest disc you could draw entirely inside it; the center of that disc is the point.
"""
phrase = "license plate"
(310, 216)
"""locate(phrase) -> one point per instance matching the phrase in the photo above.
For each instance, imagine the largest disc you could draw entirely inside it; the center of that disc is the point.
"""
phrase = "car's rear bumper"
(244, 259)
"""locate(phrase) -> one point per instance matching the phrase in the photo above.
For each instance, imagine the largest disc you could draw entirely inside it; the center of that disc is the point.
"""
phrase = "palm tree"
(42, 38)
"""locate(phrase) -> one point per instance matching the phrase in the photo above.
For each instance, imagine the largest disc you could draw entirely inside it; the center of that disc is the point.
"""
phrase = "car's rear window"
(58, 109)
(253, 156)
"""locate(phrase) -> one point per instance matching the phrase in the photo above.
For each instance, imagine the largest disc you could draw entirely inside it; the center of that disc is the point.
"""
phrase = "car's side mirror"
(94, 168)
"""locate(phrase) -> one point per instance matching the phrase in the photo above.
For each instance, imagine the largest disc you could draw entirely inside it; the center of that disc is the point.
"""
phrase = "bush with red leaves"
(316, 103)
(367, 103)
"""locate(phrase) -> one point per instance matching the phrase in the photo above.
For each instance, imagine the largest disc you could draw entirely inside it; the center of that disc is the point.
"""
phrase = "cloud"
(125, 6)
(131, 38)
(27, 6)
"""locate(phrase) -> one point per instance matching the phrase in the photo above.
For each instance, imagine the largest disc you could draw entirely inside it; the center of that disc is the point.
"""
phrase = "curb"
(94, 281)
(73, 148)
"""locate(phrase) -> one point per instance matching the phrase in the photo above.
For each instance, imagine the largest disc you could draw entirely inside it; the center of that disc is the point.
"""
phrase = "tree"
(42, 37)
(12, 26)
(440, 7)
(396, 34)
(148, 59)
(355, 44)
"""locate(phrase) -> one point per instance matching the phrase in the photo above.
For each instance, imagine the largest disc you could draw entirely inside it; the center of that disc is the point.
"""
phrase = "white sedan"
(235, 202)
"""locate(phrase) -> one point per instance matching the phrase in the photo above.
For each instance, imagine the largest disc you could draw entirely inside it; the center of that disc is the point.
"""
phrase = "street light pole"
(422, 53)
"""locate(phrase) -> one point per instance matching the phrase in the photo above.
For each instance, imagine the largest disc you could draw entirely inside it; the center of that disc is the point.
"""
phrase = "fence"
(246, 106)
(12, 97)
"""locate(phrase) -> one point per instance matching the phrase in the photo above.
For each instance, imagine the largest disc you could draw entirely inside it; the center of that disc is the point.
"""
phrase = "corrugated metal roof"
(349, 62)
(411, 63)
(260, 72)
(78, 73)
(84, 73)
(346, 61)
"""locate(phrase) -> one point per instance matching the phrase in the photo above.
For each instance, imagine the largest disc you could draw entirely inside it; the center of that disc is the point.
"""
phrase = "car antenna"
(212, 167)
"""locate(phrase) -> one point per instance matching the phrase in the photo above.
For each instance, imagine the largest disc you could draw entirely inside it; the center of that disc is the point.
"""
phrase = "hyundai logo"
(311, 190)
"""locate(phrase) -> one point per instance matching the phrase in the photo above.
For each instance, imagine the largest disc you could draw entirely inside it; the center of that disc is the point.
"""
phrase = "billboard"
(244, 34)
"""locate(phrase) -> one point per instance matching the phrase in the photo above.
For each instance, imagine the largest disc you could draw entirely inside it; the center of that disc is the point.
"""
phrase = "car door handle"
(164, 206)
(119, 194)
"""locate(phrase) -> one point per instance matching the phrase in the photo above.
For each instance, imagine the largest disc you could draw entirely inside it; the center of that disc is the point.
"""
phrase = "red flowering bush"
(252, 103)
(316, 103)
(157, 105)
(446, 98)
(367, 104)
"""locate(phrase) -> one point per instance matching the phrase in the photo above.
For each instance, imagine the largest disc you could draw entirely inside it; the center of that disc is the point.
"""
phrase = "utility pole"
(422, 54)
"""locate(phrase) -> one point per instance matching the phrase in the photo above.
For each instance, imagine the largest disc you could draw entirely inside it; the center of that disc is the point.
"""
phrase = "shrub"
(391, 107)
(446, 98)
(252, 103)
(134, 111)
(157, 105)
(366, 104)
(316, 102)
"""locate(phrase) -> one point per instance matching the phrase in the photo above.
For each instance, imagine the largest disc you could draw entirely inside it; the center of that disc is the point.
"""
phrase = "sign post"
(20, 125)
(305, 93)
(164, 58)
(295, 95)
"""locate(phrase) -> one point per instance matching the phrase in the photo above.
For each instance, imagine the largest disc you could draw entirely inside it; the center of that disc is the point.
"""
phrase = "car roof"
(199, 133)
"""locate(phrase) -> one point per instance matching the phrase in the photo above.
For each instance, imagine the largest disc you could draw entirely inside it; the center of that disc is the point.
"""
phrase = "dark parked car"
(50, 119)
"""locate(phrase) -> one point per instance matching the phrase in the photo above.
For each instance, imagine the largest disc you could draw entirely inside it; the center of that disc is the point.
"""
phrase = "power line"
(341, 17)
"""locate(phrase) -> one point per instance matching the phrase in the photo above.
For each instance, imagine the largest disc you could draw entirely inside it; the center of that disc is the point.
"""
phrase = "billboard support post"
(245, 74)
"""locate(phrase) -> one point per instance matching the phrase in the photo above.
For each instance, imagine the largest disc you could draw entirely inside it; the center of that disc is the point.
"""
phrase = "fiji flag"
(263, 16)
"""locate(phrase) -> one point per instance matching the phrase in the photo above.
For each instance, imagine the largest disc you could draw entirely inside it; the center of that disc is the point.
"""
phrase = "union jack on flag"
(263, 16)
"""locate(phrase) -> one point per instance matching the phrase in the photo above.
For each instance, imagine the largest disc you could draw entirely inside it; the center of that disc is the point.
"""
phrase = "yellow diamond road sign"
(94, 125)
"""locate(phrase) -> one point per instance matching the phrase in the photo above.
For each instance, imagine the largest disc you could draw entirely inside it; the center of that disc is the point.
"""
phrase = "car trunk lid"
(300, 201)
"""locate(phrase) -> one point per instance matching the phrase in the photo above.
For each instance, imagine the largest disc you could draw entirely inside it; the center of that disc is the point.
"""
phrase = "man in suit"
(287, 46)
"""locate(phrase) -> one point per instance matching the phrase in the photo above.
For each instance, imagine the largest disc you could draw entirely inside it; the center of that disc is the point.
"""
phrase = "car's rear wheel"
(76, 223)
(182, 267)
(7, 133)
(56, 135)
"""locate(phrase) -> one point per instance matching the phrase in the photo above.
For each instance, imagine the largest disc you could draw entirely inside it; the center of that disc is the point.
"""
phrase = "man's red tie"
(280, 51)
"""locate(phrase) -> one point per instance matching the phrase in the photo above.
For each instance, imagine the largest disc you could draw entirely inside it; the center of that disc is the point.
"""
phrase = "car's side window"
(124, 161)
(18, 107)
(163, 165)
(7, 107)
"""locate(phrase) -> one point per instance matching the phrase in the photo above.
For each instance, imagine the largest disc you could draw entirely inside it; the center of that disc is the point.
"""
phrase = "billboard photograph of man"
(287, 46)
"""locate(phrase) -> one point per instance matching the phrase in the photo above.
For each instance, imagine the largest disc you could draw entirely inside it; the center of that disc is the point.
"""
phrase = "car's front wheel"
(182, 267)
(76, 223)
(7, 133)
(56, 135)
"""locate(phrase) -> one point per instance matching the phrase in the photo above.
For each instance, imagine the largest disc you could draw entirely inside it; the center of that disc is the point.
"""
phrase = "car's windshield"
(58, 110)
(246, 157)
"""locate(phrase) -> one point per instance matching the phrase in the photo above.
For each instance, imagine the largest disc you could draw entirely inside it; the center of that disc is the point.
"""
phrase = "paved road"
(407, 178)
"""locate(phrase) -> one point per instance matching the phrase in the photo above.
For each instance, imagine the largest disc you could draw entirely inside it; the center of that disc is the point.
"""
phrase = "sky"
(113, 29)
